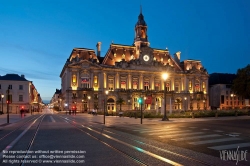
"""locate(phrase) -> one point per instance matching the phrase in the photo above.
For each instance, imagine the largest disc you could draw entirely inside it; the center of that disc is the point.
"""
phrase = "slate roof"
(13, 77)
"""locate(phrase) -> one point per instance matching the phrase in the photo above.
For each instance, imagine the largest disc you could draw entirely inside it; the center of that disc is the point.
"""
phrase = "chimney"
(98, 47)
(22, 76)
(177, 57)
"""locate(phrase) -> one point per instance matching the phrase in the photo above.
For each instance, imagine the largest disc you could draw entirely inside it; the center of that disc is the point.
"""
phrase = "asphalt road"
(83, 139)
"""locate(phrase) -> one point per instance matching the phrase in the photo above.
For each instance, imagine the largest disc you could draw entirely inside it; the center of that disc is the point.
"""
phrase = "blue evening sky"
(37, 36)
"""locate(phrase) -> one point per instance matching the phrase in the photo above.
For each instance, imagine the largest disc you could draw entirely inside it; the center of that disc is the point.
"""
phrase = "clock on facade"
(145, 57)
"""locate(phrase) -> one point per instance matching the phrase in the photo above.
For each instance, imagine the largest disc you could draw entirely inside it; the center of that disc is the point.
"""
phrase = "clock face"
(145, 57)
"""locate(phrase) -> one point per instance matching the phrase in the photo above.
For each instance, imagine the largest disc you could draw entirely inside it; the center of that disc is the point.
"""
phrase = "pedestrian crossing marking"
(169, 132)
(181, 134)
(230, 146)
(156, 130)
(235, 133)
(145, 129)
(214, 141)
(197, 137)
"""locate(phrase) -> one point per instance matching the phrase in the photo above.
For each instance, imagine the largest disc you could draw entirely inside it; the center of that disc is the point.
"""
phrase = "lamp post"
(105, 105)
(82, 105)
(2, 96)
(128, 104)
(141, 109)
(145, 102)
(89, 102)
(8, 100)
(60, 104)
(232, 96)
(165, 76)
(185, 98)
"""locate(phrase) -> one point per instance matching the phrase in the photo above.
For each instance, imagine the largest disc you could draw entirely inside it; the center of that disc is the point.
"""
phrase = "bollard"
(192, 115)
(135, 115)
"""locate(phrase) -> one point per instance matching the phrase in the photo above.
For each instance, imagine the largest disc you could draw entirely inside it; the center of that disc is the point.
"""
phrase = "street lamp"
(128, 104)
(89, 102)
(60, 104)
(8, 102)
(2, 96)
(105, 105)
(185, 98)
(232, 96)
(164, 77)
(82, 105)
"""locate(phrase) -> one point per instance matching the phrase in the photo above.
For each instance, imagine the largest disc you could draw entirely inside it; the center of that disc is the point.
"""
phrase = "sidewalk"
(172, 120)
(132, 120)
(12, 118)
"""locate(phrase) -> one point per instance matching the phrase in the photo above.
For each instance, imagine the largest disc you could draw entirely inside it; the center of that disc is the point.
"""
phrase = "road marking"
(213, 141)
(156, 130)
(219, 131)
(52, 119)
(9, 147)
(181, 134)
(235, 133)
(205, 129)
(196, 137)
(145, 129)
(170, 132)
(232, 135)
(142, 129)
(230, 146)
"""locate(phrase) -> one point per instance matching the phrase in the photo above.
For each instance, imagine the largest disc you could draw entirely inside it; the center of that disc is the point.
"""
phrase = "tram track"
(110, 146)
(6, 135)
(144, 150)
(31, 141)
(11, 142)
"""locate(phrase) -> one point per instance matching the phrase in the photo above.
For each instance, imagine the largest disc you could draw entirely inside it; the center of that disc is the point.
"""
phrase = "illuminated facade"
(22, 94)
(130, 72)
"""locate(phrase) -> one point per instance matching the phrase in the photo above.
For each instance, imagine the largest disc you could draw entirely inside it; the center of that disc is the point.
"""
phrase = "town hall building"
(130, 72)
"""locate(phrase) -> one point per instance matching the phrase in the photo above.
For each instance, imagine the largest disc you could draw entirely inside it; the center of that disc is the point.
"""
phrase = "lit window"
(123, 84)
(190, 85)
(135, 83)
(146, 85)
(111, 84)
(74, 78)
(203, 85)
(85, 82)
(168, 86)
(157, 86)
(176, 88)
